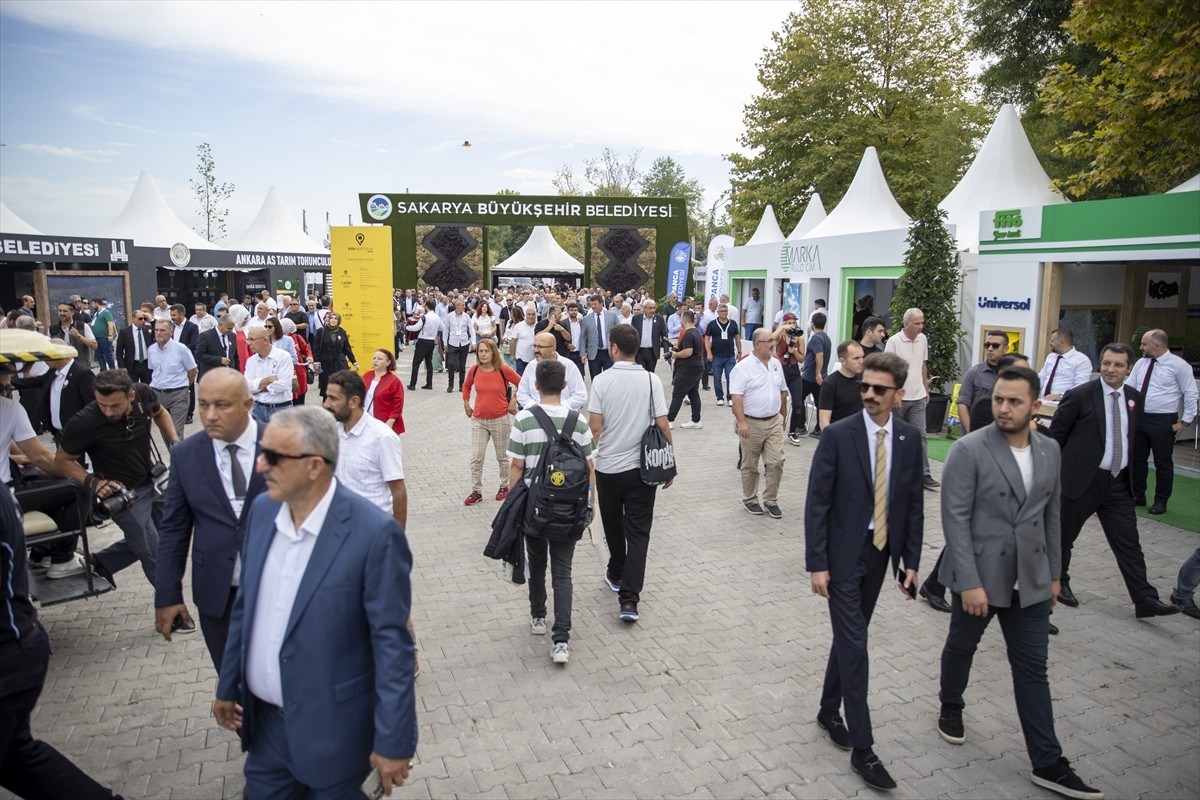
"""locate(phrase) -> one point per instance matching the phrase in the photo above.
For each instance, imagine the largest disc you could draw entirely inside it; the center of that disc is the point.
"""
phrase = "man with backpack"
(551, 449)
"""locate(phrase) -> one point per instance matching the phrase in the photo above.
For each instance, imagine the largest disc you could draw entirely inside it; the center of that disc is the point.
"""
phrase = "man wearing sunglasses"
(318, 666)
(865, 509)
(978, 381)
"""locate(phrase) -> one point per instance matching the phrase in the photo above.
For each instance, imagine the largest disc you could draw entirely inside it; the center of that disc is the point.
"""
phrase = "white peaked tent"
(867, 207)
(768, 231)
(150, 222)
(1190, 185)
(812, 216)
(11, 223)
(1005, 174)
(540, 255)
(275, 230)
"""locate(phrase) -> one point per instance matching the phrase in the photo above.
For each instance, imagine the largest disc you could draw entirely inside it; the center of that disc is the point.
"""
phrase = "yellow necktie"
(881, 531)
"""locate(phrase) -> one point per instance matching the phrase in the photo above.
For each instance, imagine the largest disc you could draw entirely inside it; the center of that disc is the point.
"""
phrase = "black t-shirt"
(856, 323)
(690, 338)
(560, 343)
(840, 396)
(722, 345)
(120, 450)
(299, 318)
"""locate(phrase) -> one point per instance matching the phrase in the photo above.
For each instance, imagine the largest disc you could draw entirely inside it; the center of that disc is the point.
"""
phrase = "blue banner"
(681, 256)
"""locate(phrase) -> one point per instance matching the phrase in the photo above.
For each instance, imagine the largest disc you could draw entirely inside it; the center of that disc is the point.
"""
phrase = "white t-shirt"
(14, 427)
(1024, 457)
(623, 396)
(760, 386)
(754, 312)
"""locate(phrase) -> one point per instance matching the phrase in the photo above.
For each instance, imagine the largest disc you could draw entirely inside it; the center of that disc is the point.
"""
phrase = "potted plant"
(931, 282)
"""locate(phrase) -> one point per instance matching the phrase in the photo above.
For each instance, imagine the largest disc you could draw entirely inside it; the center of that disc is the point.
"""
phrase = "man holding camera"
(114, 431)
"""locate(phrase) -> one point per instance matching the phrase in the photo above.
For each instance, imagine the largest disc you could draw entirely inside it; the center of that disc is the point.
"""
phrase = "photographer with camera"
(114, 431)
(789, 349)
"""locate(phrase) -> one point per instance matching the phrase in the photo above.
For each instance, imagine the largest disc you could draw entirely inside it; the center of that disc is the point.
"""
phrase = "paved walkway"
(712, 695)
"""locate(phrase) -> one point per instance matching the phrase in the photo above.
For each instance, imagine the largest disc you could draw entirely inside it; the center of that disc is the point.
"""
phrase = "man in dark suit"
(1095, 425)
(864, 509)
(1000, 516)
(213, 501)
(596, 325)
(217, 348)
(318, 667)
(66, 389)
(131, 353)
(652, 332)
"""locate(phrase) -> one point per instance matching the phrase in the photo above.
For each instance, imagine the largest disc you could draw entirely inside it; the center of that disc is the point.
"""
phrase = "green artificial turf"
(1183, 509)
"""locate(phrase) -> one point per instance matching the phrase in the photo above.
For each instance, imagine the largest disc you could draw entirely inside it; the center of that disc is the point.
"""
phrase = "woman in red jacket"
(385, 391)
(491, 418)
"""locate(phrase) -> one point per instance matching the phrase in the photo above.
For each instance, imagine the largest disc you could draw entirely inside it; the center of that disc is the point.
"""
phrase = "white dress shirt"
(277, 363)
(56, 387)
(576, 329)
(872, 434)
(574, 394)
(162, 313)
(287, 559)
(1170, 380)
(205, 323)
(171, 364)
(369, 456)
(1106, 462)
(760, 385)
(456, 330)
(1074, 369)
(522, 335)
(428, 324)
(246, 444)
(647, 331)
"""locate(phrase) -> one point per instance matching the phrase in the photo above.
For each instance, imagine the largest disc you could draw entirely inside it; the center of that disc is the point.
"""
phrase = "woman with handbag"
(302, 362)
(332, 349)
(385, 391)
(495, 386)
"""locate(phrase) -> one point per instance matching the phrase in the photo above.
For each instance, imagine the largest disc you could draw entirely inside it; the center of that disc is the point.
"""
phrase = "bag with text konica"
(658, 457)
(558, 507)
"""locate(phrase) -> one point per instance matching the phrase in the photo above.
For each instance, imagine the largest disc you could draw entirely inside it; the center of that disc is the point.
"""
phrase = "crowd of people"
(293, 516)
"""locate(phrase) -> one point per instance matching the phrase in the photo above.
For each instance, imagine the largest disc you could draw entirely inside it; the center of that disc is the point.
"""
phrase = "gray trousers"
(176, 403)
(913, 412)
(139, 523)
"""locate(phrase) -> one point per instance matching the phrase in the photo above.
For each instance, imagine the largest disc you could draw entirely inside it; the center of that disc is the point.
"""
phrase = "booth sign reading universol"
(403, 212)
(70, 249)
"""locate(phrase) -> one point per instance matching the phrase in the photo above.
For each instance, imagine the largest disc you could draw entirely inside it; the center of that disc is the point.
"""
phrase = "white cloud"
(92, 114)
(74, 153)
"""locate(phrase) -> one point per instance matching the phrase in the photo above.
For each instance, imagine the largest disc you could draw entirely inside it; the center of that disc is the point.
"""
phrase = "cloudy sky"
(326, 100)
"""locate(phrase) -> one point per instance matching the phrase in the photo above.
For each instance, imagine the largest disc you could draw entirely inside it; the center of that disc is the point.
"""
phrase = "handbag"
(657, 463)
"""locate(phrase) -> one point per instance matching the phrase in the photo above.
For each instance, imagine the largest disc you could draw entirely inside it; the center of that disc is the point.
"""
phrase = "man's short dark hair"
(819, 303)
(889, 364)
(871, 323)
(551, 376)
(596, 299)
(626, 338)
(1010, 359)
(350, 384)
(843, 350)
(1119, 347)
(112, 381)
(1064, 335)
(1001, 334)
(818, 321)
(688, 316)
(179, 309)
(1022, 374)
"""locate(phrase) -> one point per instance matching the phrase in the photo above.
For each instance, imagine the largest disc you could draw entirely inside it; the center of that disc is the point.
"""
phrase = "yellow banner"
(362, 288)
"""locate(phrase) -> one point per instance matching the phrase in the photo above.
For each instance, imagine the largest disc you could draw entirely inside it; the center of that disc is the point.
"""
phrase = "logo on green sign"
(1007, 224)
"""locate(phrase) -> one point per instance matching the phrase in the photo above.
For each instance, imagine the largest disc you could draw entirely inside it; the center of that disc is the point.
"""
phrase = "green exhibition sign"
(451, 215)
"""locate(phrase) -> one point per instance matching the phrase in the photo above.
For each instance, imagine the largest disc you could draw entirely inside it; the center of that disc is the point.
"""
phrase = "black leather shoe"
(1158, 508)
(1067, 597)
(1053, 629)
(1154, 608)
(412, 387)
(935, 602)
(1140, 500)
(101, 570)
(868, 765)
(1187, 606)
(836, 728)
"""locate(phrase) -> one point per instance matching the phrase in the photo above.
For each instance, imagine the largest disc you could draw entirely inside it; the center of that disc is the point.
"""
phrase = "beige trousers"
(765, 441)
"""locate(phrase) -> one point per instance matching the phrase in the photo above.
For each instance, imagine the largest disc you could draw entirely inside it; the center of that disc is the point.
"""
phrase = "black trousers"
(932, 583)
(1109, 498)
(576, 360)
(1153, 435)
(851, 604)
(1026, 639)
(627, 511)
(796, 389)
(559, 555)
(686, 384)
(140, 372)
(808, 388)
(647, 359)
(601, 362)
(216, 630)
(456, 361)
(30, 768)
(422, 354)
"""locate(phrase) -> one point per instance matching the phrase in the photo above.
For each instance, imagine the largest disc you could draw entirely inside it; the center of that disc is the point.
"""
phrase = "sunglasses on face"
(993, 345)
(864, 388)
(273, 457)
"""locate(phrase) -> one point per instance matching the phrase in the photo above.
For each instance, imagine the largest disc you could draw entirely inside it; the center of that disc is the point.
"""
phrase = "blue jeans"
(263, 413)
(104, 354)
(722, 368)
(1189, 577)
(750, 328)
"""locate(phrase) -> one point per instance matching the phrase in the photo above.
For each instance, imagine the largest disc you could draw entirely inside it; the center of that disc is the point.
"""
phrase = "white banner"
(717, 280)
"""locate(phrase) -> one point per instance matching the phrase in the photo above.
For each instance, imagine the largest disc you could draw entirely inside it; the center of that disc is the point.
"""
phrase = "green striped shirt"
(528, 442)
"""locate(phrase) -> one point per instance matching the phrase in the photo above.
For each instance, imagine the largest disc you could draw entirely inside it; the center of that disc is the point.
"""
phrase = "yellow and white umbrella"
(20, 346)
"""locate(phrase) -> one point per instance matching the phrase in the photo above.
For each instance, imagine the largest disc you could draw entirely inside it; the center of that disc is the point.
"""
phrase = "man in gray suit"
(1000, 516)
(596, 325)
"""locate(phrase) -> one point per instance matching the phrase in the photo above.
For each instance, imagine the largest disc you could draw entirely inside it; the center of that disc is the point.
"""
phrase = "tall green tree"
(843, 75)
(212, 197)
(1137, 118)
(504, 240)
(667, 178)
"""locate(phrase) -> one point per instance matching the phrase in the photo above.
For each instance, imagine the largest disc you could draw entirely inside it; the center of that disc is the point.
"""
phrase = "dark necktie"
(600, 333)
(1050, 381)
(235, 471)
(1146, 380)
(139, 345)
(1118, 434)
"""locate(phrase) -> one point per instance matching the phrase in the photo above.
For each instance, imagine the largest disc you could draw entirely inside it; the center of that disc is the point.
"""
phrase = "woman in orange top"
(491, 418)
(385, 393)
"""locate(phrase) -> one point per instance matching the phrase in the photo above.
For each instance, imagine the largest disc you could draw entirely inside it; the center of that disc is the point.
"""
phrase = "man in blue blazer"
(864, 508)
(318, 668)
(211, 488)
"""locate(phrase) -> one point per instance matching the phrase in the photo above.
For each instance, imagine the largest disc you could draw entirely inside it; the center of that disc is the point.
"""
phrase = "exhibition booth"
(541, 260)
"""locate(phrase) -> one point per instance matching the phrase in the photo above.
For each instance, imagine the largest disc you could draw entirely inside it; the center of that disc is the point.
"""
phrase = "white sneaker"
(720, 402)
(561, 653)
(537, 626)
(691, 425)
(65, 570)
(670, 425)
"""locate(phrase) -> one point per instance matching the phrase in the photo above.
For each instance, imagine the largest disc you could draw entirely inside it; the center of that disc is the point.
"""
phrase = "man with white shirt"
(573, 323)
(269, 373)
(162, 309)
(521, 338)
(758, 395)
(1165, 380)
(458, 336)
(1065, 367)
(262, 312)
(370, 455)
(212, 485)
(596, 325)
(173, 368)
(426, 325)
(911, 344)
(752, 314)
(574, 396)
(202, 319)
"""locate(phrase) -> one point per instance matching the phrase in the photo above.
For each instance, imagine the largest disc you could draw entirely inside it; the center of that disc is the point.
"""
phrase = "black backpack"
(557, 507)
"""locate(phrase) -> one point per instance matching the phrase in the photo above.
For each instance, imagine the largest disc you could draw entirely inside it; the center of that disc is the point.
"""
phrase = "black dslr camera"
(115, 503)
